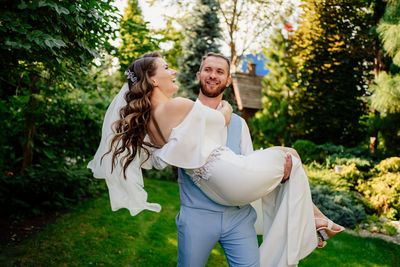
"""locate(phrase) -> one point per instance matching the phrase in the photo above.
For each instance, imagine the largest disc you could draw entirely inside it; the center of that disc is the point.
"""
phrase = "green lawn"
(91, 234)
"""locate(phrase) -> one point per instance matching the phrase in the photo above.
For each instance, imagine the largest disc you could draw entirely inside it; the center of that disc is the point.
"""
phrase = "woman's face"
(164, 78)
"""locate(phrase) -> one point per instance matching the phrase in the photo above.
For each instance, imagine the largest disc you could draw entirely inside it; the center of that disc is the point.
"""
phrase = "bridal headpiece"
(131, 76)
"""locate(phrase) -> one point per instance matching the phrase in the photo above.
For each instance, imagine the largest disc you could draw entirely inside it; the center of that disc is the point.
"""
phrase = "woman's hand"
(226, 109)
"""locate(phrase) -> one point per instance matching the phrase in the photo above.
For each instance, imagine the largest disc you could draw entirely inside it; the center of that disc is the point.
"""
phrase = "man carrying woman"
(145, 121)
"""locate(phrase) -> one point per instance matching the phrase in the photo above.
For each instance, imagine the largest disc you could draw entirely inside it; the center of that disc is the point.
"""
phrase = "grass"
(92, 235)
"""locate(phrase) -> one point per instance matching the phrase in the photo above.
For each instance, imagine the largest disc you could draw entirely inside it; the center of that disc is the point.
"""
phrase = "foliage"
(351, 174)
(319, 175)
(200, 35)
(66, 138)
(56, 36)
(340, 155)
(339, 206)
(389, 30)
(43, 188)
(331, 148)
(307, 150)
(171, 35)
(167, 174)
(331, 52)
(385, 92)
(382, 189)
(136, 37)
(271, 124)
(340, 159)
(44, 46)
(248, 24)
(389, 165)
(383, 192)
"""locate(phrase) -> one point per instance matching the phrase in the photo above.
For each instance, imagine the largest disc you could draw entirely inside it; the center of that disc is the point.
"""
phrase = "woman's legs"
(321, 221)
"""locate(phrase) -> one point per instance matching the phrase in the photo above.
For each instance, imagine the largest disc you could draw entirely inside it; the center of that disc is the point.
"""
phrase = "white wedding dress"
(196, 145)
(289, 232)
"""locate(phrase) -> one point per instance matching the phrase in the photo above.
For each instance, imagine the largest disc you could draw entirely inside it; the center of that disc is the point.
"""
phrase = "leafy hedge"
(382, 189)
(339, 206)
(46, 187)
(167, 174)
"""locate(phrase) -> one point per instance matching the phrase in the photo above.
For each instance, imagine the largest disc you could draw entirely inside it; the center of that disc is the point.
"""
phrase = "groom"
(201, 222)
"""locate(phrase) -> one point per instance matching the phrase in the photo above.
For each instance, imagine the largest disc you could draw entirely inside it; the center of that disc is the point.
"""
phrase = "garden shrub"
(166, 174)
(351, 174)
(389, 165)
(340, 159)
(46, 187)
(307, 150)
(319, 175)
(340, 155)
(339, 149)
(382, 190)
(339, 206)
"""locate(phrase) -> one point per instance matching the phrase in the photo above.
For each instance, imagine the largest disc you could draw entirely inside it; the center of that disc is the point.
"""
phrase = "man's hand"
(287, 168)
(226, 109)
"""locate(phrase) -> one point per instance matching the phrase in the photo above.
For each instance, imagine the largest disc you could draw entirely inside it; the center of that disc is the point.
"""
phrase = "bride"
(144, 127)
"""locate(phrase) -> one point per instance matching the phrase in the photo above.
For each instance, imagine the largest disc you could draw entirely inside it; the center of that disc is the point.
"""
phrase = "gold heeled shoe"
(325, 232)
(321, 242)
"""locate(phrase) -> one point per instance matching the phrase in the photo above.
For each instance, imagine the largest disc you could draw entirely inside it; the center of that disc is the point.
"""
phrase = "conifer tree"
(271, 125)
(330, 49)
(136, 37)
(201, 32)
(385, 96)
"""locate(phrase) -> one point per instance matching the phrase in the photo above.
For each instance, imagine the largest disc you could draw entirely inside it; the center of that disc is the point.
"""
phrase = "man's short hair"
(212, 54)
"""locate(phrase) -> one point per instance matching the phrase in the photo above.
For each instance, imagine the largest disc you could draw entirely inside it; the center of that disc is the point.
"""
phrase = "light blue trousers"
(199, 230)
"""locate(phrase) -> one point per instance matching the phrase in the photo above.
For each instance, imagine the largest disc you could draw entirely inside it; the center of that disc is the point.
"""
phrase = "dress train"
(289, 232)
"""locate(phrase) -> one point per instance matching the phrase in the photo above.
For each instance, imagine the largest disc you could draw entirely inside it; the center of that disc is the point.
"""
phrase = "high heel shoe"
(321, 242)
(325, 232)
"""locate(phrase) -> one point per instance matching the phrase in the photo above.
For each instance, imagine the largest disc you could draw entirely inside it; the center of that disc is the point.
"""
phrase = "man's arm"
(246, 145)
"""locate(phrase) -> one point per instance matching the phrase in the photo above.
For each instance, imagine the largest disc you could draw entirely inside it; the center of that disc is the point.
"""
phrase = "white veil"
(124, 193)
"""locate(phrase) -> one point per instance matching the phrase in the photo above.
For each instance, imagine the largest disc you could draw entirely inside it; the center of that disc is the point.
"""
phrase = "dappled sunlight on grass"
(215, 252)
(173, 241)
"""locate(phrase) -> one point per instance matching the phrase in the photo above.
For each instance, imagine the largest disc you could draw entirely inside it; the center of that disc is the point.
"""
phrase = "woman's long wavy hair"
(132, 127)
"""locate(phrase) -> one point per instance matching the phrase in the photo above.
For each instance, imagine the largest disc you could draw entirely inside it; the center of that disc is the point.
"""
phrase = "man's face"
(213, 76)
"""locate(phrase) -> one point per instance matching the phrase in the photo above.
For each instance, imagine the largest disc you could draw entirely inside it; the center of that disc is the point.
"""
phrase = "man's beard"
(204, 91)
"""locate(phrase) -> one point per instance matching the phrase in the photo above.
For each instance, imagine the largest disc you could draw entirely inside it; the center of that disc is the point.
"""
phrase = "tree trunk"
(30, 122)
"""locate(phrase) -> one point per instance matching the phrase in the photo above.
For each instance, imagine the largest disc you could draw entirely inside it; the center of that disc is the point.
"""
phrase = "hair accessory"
(131, 76)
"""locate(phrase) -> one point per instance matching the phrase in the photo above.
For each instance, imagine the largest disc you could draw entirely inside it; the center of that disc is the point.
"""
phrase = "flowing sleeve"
(124, 193)
(193, 140)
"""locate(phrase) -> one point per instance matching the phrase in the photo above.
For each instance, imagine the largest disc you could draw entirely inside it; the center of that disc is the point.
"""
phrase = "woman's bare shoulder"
(179, 105)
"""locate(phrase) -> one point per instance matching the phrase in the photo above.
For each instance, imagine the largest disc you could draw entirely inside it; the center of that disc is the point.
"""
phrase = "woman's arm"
(226, 109)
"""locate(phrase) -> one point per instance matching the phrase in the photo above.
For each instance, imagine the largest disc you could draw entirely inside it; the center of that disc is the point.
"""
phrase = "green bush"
(338, 159)
(351, 174)
(319, 175)
(389, 165)
(46, 187)
(308, 151)
(383, 193)
(167, 174)
(339, 149)
(339, 206)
